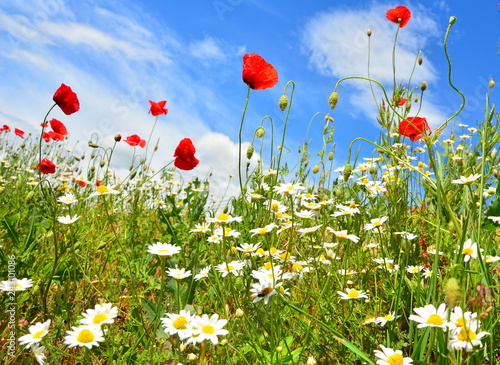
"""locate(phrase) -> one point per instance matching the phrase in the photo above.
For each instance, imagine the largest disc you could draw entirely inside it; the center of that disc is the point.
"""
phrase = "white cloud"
(337, 45)
(207, 48)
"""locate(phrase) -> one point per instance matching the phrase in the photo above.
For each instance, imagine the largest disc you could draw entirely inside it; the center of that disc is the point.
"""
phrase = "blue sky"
(117, 55)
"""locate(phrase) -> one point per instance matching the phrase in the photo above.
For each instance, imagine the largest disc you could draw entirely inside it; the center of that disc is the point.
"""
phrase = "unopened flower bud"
(102, 163)
(453, 19)
(415, 99)
(223, 342)
(329, 118)
(283, 102)
(250, 150)
(315, 169)
(77, 158)
(118, 137)
(239, 313)
(311, 361)
(330, 156)
(333, 99)
(260, 132)
(423, 86)
(93, 145)
(192, 357)
(279, 349)
(407, 106)
(491, 83)
(420, 60)
(347, 171)
(132, 175)
(495, 173)
(369, 32)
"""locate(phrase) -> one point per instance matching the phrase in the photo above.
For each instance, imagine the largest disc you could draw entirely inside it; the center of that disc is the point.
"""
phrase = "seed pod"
(333, 99)
(330, 156)
(347, 171)
(250, 150)
(260, 132)
(132, 175)
(315, 169)
(369, 32)
(283, 102)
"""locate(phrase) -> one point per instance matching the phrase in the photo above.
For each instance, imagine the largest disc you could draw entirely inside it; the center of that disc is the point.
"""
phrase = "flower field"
(391, 259)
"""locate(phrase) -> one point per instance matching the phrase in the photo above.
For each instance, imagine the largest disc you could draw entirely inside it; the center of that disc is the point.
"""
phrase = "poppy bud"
(423, 86)
(82, 157)
(283, 102)
(347, 171)
(250, 150)
(373, 170)
(328, 118)
(77, 158)
(408, 106)
(102, 163)
(315, 169)
(22, 145)
(92, 168)
(495, 173)
(491, 83)
(369, 32)
(260, 132)
(415, 99)
(93, 145)
(338, 193)
(330, 156)
(118, 137)
(420, 60)
(453, 19)
(333, 99)
(132, 175)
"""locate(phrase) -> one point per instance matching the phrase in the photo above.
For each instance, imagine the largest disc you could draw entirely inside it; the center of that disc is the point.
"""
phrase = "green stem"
(240, 139)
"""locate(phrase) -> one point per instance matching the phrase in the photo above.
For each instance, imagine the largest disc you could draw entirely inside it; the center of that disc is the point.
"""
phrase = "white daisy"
(101, 314)
(429, 316)
(351, 293)
(87, 335)
(390, 357)
(207, 328)
(178, 274)
(375, 223)
(16, 284)
(163, 249)
(67, 219)
(36, 333)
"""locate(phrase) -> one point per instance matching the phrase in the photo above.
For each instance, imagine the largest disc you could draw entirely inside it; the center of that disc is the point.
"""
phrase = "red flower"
(158, 108)
(401, 101)
(66, 99)
(5, 128)
(81, 183)
(135, 140)
(414, 128)
(46, 167)
(257, 73)
(19, 132)
(58, 127)
(400, 15)
(46, 136)
(184, 154)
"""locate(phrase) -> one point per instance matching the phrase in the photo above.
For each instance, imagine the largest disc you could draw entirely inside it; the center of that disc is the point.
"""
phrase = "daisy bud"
(283, 102)
(239, 313)
(250, 150)
(311, 361)
(330, 156)
(279, 349)
(333, 99)
(491, 83)
(423, 86)
(223, 342)
(260, 132)
(452, 292)
(453, 19)
(192, 357)
(315, 169)
(347, 171)
(369, 32)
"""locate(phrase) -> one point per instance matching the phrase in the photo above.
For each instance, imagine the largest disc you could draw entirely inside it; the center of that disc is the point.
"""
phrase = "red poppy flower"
(401, 101)
(58, 127)
(5, 128)
(46, 167)
(135, 140)
(414, 128)
(66, 99)
(257, 73)
(81, 183)
(158, 108)
(400, 15)
(19, 132)
(184, 154)
(46, 137)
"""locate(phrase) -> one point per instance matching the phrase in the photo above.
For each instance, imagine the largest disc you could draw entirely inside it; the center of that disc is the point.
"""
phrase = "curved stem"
(240, 139)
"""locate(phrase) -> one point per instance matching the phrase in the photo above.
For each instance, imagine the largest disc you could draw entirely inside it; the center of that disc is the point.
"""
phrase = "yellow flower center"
(163, 252)
(461, 322)
(389, 318)
(39, 334)
(353, 293)
(395, 359)
(85, 336)
(468, 251)
(435, 319)
(275, 207)
(466, 334)
(16, 287)
(100, 318)
(268, 265)
(285, 256)
(101, 189)
(222, 217)
(389, 266)
(263, 231)
(180, 323)
(208, 329)
(296, 267)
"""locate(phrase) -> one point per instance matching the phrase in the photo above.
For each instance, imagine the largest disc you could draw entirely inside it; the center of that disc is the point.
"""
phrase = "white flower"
(224, 218)
(177, 323)
(467, 180)
(178, 274)
(101, 314)
(263, 290)
(38, 353)
(466, 338)
(307, 230)
(383, 320)
(343, 235)
(103, 190)
(87, 336)
(290, 189)
(207, 328)
(429, 316)
(375, 223)
(233, 267)
(163, 249)
(67, 219)
(469, 250)
(68, 199)
(16, 284)
(36, 333)
(495, 219)
(248, 248)
(352, 294)
(203, 273)
(414, 269)
(268, 228)
(390, 357)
